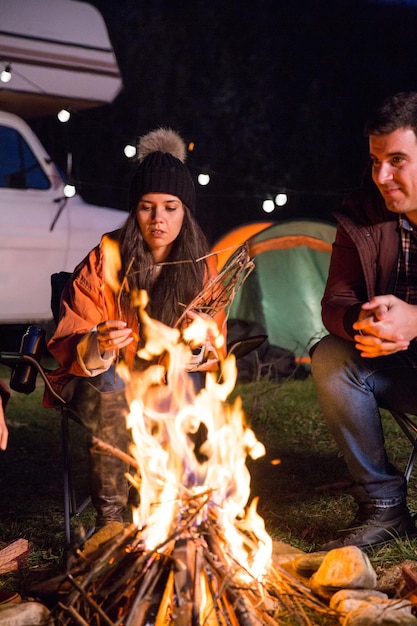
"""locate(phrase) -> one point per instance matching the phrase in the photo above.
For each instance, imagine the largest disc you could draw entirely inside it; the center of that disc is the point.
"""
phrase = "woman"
(98, 324)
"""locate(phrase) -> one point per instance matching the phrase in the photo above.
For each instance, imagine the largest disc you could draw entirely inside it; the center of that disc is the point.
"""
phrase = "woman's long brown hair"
(182, 275)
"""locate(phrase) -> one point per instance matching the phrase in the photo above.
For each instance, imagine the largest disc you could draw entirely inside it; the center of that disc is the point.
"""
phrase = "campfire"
(197, 553)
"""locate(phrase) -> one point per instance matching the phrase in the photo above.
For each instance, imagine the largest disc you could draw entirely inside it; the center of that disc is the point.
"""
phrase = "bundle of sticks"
(219, 292)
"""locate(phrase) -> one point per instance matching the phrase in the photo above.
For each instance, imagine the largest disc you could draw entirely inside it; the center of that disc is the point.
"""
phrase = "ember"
(195, 554)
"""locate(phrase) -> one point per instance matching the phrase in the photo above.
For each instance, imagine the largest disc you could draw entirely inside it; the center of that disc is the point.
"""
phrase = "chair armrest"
(11, 359)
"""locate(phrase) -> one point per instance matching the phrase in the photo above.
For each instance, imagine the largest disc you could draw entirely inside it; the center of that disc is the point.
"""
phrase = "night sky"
(274, 95)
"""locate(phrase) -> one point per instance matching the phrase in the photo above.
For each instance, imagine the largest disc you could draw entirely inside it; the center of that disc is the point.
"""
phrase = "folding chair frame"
(409, 428)
(71, 508)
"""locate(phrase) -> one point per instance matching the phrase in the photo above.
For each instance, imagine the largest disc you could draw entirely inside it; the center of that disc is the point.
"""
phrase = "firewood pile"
(189, 580)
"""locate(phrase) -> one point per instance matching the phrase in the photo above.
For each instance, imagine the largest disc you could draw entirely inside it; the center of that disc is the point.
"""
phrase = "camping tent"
(284, 291)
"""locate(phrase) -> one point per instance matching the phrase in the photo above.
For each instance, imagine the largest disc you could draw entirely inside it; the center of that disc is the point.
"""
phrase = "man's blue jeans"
(350, 391)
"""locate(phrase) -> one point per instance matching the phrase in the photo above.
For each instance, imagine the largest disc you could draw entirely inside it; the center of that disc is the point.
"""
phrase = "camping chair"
(242, 347)
(71, 508)
(409, 428)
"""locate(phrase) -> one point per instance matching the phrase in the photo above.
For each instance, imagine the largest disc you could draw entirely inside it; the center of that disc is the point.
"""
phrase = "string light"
(6, 74)
(69, 191)
(129, 151)
(281, 199)
(64, 115)
(268, 205)
(203, 179)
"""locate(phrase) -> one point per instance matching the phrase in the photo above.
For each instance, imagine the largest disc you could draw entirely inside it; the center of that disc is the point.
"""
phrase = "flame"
(196, 552)
(191, 449)
(112, 263)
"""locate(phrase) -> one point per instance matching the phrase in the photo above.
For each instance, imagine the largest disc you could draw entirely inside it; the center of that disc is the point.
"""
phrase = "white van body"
(59, 55)
(41, 231)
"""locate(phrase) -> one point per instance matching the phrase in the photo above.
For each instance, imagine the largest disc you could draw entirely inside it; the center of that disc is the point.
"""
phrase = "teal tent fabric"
(284, 291)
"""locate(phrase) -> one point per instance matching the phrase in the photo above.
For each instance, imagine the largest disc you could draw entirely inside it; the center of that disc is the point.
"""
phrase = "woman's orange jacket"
(87, 301)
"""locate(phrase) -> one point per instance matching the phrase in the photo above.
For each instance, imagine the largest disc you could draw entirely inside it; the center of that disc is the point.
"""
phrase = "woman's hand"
(113, 335)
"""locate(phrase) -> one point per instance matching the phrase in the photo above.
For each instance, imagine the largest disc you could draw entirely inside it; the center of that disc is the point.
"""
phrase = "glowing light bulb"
(268, 206)
(6, 74)
(69, 191)
(63, 115)
(203, 179)
(281, 199)
(129, 151)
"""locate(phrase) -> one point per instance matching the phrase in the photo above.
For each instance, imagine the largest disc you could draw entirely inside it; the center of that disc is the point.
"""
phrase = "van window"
(19, 168)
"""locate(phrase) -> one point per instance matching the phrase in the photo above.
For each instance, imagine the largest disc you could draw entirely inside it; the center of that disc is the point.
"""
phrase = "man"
(369, 358)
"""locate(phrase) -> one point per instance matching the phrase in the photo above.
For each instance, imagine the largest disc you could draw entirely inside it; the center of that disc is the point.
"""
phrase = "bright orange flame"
(112, 263)
(176, 470)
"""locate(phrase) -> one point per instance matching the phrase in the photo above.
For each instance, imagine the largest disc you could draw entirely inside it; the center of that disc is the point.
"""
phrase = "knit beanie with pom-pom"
(161, 168)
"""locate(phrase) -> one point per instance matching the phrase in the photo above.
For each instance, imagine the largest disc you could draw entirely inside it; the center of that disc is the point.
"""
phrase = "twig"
(145, 597)
(90, 600)
(74, 614)
(105, 448)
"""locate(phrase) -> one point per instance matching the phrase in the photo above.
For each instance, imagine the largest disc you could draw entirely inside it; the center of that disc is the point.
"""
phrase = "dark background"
(273, 93)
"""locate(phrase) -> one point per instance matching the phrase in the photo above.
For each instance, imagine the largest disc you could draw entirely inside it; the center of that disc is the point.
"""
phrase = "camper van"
(41, 230)
(54, 54)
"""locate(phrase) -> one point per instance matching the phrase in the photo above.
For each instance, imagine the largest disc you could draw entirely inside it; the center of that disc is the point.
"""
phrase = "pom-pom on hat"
(162, 154)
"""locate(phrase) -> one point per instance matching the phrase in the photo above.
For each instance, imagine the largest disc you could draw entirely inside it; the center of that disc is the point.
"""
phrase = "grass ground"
(301, 481)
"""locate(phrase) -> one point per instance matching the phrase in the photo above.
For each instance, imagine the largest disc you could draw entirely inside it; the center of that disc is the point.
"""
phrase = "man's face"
(394, 170)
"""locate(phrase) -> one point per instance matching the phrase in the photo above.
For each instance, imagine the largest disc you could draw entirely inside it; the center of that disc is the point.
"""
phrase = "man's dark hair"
(398, 111)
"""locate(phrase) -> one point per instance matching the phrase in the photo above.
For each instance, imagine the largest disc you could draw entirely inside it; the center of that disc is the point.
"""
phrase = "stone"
(307, 564)
(382, 613)
(25, 614)
(347, 600)
(283, 552)
(345, 568)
